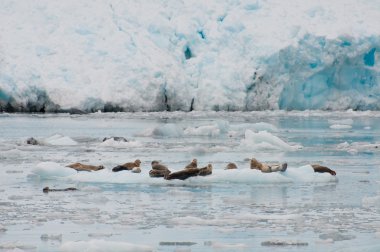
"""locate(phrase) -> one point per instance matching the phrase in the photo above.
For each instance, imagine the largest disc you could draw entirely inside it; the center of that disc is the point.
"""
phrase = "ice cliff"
(189, 55)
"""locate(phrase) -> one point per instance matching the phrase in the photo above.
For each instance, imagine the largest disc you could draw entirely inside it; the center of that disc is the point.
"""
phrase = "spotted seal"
(127, 166)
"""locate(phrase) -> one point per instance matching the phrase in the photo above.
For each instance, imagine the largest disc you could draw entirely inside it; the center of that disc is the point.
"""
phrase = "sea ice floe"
(58, 139)
(102, 245)
(264, 140)
(340, 126)
(120, 144)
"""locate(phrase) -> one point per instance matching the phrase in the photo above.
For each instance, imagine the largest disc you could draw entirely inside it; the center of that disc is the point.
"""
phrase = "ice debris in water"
(166, 130)
(264, 140)
(58, 139)
(284, 243)
(102, 245)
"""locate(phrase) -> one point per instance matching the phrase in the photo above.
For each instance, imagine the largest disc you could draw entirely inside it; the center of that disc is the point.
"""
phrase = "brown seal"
(127, 166)
(190, 172)
(158, 170)
(205, 170)
(268, 168)
(183, 174)
(322, 169)
(193, 164)
(84, 167)
(231, 166)
(47, 189)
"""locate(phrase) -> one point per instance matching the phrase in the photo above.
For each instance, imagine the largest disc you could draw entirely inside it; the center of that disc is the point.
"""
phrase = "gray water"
(219, 214)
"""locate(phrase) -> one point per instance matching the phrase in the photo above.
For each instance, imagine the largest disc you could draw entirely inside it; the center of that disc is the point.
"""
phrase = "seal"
(158, 170)
(190, 172)
(47, 189)
(205, 170)
(31, 141)
(117, 139)
(193, 164)
(127, 166)
(322, 169)
(266, 168)
(84, 167)
(183, 174)
(231, 166)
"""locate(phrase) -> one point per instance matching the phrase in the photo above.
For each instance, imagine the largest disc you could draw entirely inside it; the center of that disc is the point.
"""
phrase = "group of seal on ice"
(191, 170)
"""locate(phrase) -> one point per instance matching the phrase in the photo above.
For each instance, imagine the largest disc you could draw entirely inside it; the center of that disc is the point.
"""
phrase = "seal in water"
(231, 166)
(84, 167)
(158, 170)
(193, 164)
(266, 168)
(322, 169)
(127, 166)
(117, 139)
(47, 189)
(31, 141)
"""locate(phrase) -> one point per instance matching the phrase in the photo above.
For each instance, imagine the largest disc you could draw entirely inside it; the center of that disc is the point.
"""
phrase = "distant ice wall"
(189, 55)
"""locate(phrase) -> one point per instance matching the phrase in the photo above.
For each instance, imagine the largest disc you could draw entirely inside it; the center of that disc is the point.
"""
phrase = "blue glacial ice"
(170, 55)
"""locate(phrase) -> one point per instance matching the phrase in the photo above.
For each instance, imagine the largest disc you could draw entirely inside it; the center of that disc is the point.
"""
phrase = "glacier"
(231, 55)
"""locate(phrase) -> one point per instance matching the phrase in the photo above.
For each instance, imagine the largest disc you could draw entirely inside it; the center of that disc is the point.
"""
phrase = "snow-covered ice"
(189, 55)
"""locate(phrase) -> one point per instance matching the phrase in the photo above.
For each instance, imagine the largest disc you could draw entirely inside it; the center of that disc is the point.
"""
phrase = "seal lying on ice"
(266, 168)
(84, 167)
(158, 170)
(231, 166)
(193, 164)
(128, 166)
(190, 172)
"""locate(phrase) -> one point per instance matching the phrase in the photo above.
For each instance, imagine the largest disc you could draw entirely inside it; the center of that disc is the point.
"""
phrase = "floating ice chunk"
(348, 121)
(58, 139)
(166, 130)
(119, 144)
(102, 245)
(283, 243)
(304, 174)
(46, 170)
(371, 201)
(264, 140)
(206, 130)
(355, 147)
(237, 219)
(340, 126)
(337, 236)
(97, 235)
(229, 246)
(16, 246)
